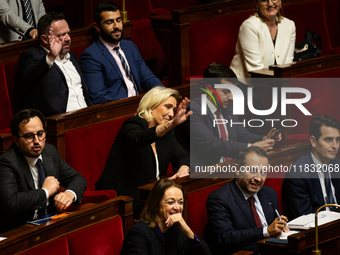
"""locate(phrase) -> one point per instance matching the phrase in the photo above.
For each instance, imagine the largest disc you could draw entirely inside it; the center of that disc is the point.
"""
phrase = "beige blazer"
(12, 25)
(255, 49)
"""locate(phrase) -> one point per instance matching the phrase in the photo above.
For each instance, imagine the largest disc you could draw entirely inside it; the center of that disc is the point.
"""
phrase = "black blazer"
(18, 196)
(231, 221)
(40, 87)
(143, 240)
(132, 162)
(301, 191)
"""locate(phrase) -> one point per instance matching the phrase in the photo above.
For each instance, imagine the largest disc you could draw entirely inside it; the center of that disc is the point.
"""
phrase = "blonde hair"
(258, 14)
(153, 98)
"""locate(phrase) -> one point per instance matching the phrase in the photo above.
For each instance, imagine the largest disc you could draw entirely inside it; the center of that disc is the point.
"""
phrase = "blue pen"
(278, 215)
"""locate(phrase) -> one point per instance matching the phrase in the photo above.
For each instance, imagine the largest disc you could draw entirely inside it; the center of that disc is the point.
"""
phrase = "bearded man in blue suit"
(114, 68)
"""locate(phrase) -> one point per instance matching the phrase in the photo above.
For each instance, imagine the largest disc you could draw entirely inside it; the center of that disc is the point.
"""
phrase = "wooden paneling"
(28, 235)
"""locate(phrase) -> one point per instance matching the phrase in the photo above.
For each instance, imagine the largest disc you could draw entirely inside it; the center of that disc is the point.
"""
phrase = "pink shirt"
(128, 82)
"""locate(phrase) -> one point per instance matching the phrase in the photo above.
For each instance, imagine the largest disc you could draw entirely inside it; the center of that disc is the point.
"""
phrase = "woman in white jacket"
(264, 39)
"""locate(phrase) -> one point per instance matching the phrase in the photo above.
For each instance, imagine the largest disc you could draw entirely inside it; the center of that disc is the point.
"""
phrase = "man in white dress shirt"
(49, 76)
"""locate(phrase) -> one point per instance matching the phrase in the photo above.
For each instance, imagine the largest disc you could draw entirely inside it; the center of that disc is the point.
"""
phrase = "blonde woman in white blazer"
(255, 47)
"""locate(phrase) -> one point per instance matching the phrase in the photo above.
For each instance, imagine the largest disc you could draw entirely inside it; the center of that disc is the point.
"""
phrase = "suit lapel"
(24, 168)
(242, 204)
(109, 58)
(48, 165)
(267, 206)
(314, 178)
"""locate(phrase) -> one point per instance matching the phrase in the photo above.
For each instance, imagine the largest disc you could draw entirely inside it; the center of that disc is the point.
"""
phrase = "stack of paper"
(308, 221)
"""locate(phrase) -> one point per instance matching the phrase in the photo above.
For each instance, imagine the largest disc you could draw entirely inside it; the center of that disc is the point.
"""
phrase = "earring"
(257, 13)
(280, 6)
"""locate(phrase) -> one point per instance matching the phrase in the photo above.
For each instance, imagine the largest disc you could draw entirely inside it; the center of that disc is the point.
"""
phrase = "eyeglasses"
(265, 2)
(29, 137)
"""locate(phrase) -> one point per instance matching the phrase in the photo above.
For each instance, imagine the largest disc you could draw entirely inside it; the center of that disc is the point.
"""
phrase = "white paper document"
(308, 221)
(284, 235)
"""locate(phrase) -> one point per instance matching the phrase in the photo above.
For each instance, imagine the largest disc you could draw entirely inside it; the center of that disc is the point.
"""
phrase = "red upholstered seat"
(148, 45)
(6, 111)
(11, 69)
(314, 13)
(105, 238)
(87, 149)
(217, 44)
(55, 247)
(197, 211)
(298, 138)
(79, 50)
(332, 10)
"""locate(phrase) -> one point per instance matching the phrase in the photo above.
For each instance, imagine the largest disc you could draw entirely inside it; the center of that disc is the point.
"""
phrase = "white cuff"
(50, 64)
(265, 233)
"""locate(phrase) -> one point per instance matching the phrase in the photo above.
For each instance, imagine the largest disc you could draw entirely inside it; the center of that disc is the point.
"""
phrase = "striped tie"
(126, 68)
(28, 12)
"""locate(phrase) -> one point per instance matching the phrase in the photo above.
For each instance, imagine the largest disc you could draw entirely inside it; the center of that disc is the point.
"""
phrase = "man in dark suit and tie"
(242, 211)
(49, 76)
(114, 68)
(31, 173)
(313, 180)
(211, 143)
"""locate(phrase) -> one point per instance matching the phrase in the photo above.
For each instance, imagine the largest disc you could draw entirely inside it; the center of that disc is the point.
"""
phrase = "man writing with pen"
(242, 211)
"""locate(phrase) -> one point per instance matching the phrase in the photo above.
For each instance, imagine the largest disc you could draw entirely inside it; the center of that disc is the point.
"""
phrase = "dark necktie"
(43, 211)
(251, 201)
(28, 12)
(330, 197)
(41, 173)
(126, 68)
(222, 130)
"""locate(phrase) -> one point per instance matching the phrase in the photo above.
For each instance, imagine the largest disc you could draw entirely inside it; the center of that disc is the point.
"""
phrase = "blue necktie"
(328, 186)
(26, 4)
(41, 173)
(126, 68)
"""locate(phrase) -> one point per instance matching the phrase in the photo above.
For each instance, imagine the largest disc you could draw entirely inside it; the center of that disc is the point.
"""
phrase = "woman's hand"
(181, 114)
(182, 171)
(182, 225)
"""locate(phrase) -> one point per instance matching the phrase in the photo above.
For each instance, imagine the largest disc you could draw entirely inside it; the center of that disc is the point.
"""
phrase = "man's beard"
(64, 51)
(109, 36)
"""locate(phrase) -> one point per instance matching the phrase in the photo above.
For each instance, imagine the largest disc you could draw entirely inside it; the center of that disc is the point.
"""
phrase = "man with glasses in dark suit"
(31, 173)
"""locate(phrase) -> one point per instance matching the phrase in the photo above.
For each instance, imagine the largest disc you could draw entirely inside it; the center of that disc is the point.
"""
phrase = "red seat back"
(55, 247)
(11, 69)
(217, 44)
(314, 12)
(332, 10)
(197, 210)
(5, 107)
(105, 238)
(88, 148)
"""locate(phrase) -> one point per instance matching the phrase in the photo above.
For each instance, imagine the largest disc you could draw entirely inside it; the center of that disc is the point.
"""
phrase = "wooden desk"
(28, 236)
(284, 155)
(312, 66)
(80, 36)
(304, 242)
